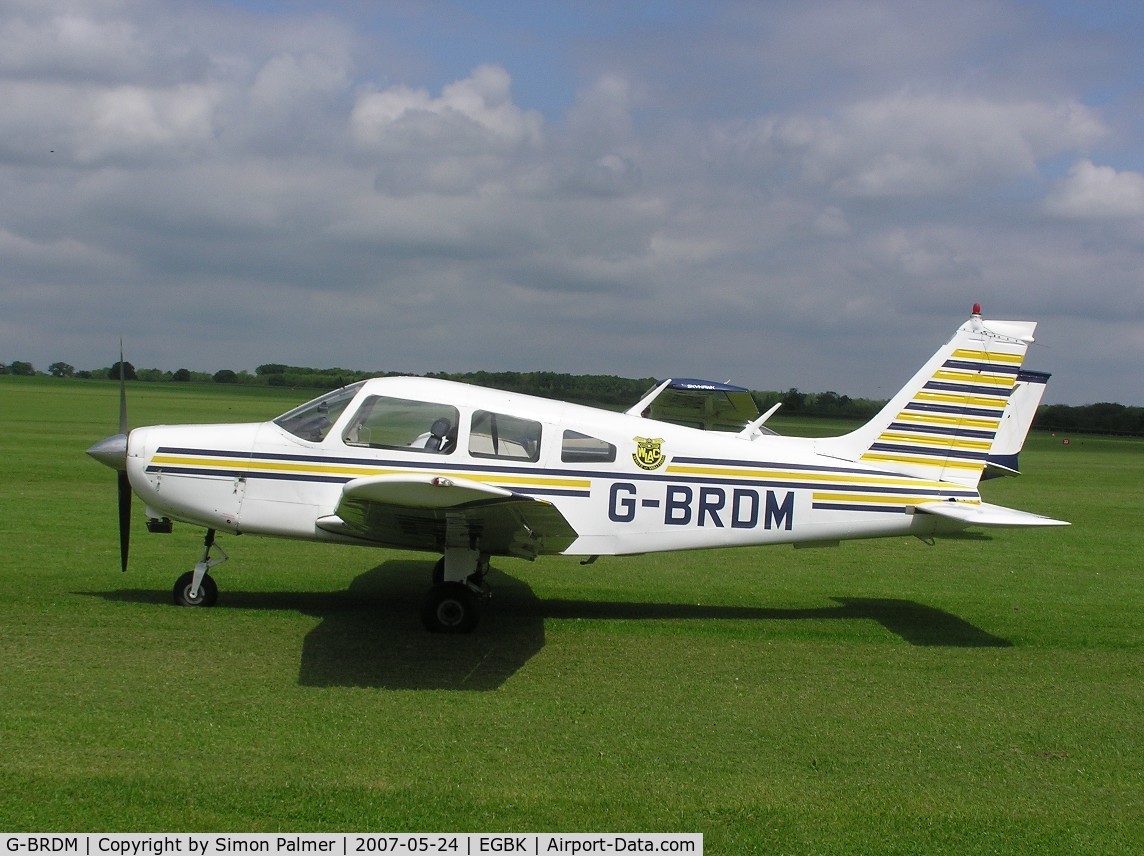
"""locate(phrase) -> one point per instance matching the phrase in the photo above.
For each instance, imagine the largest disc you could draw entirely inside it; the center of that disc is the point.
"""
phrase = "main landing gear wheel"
(206, 596)
(451, 607)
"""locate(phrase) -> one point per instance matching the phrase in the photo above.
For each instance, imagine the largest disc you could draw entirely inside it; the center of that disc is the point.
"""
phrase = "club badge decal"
(649, 453)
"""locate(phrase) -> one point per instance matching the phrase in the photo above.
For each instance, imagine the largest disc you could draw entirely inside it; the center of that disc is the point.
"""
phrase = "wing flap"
(986, 514)
(426, 491)
(434, 512)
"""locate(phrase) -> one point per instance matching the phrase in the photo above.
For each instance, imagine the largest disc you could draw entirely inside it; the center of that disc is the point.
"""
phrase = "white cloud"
(473, 138)
(723, 216)
(69, 42)
(1092, 192)
(55, 122)
(289, 78)
(905, 145)
(134, 121)
(602, 115)
(476, 112)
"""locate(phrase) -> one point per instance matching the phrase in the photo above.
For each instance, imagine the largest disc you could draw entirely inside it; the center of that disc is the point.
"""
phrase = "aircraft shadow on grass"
(370, 635)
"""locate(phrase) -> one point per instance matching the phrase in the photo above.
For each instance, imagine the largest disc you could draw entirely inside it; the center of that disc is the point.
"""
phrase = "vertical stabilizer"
(942, 424)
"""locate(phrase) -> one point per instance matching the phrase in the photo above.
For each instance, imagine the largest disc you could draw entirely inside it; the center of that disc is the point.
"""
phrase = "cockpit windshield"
(313, 420)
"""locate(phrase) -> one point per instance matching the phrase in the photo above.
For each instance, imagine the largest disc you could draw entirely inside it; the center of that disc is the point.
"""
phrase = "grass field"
(984, 695)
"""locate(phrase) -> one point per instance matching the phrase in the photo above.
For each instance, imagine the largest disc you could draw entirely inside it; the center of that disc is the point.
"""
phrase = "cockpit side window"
(498, 435)
(313, 420)
(383, 422)
(585, 449)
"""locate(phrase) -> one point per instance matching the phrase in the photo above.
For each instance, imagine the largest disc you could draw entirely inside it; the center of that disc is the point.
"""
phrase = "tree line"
(1101, 418)
(599, 390)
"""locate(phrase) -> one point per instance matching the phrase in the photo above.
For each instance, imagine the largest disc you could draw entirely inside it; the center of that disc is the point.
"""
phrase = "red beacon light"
(976, 308)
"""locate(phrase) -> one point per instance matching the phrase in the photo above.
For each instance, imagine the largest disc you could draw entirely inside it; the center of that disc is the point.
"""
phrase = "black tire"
(208, 591)
(450, 608)
(439, 572)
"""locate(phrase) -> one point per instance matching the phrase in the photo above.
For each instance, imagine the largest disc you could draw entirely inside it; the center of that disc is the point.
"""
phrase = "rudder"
(1015, 425)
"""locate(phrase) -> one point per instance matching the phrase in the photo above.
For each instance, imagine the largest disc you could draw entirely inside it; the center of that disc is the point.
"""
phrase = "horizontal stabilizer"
(985, 514)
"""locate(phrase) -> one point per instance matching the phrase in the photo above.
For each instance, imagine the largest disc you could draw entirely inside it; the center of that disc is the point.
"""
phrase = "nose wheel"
(196, 587)
(186, 595)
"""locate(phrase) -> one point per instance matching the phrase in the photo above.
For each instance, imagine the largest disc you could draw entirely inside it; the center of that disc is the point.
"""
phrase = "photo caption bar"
(348, 844)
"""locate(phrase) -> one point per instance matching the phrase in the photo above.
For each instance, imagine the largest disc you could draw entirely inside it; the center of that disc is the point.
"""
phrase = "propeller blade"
(122, 391)
(124, 519)
(124, 482)
(112, 452)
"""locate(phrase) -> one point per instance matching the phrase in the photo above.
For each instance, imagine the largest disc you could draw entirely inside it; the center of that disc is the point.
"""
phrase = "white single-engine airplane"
(471, 473)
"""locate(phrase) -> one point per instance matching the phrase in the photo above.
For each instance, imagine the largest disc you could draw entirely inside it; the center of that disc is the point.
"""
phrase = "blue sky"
(807, 194)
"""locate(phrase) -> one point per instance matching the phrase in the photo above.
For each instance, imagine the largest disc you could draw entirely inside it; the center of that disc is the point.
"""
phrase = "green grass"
(984, 695)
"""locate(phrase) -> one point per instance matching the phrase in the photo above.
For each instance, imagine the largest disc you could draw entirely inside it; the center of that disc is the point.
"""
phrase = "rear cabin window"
(498, 435)
(401, 424)
(580, 448)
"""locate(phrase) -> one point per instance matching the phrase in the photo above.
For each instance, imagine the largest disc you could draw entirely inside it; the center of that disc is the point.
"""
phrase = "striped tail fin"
(942, 424)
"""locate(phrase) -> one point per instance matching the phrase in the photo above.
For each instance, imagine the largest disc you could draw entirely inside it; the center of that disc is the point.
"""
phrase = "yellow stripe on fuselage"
(267, 466)
(850, 479)
(363, 471)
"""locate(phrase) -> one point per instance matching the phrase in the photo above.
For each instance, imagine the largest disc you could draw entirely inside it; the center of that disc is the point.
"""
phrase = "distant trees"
(1101, 418)
(794, 401)
(128, 371)
(279, 374)
(600, 390)
(828, 405)
(603, 390)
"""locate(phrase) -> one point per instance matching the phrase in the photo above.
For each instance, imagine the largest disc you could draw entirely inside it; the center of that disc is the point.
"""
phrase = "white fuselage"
(625, 484)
